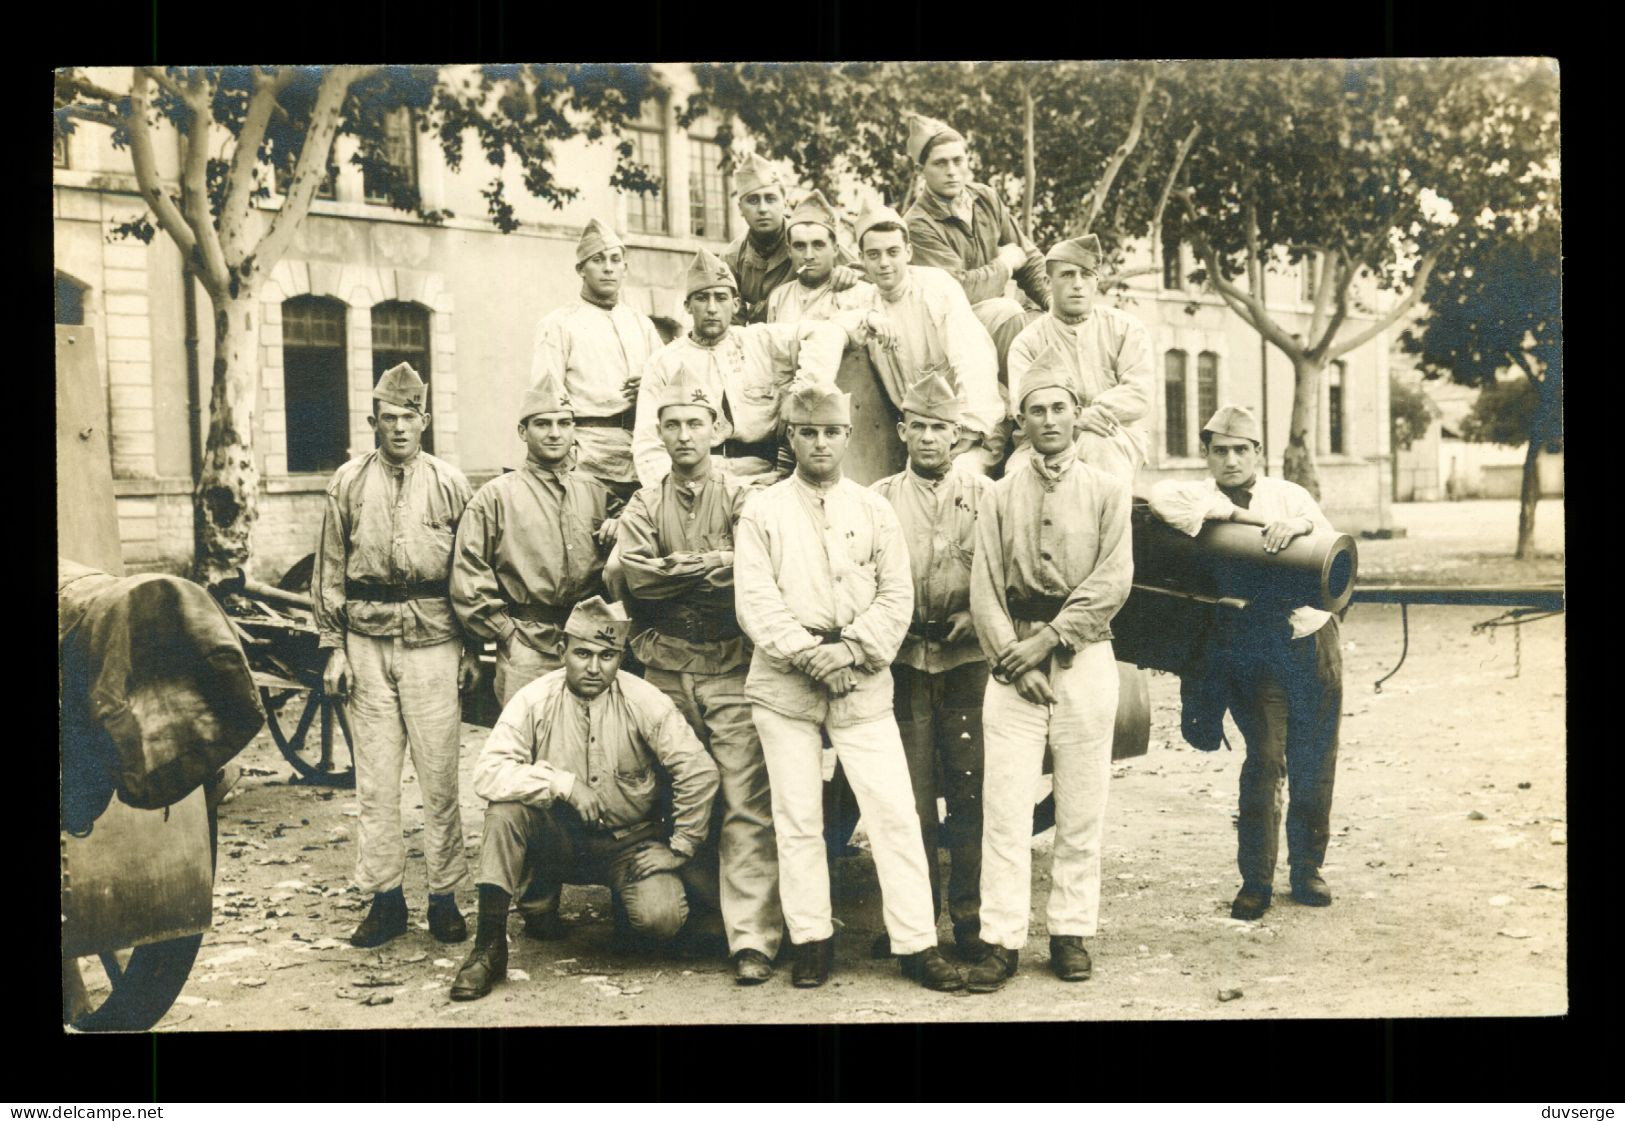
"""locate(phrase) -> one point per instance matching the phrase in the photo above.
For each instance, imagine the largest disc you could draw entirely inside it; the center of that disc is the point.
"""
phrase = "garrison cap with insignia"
(1081, 251)
(401, 385)
(872, 215)
(597, 621)
(707, 270)
(1048, 371)
(1234, 420)
(924, 132)
(596, 238)
(686, 389)
(546, 396)
(816, 209)
(818, 404)
(754, 174)
(933, 397)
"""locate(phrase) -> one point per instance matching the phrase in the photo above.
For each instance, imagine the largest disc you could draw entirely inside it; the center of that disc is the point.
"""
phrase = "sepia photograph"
(593, 544)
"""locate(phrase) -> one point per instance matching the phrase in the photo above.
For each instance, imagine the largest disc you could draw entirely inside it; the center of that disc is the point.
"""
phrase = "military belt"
(371, 592)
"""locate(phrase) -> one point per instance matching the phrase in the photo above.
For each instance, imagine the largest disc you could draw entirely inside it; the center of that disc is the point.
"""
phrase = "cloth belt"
(369, 592)
(760, 449)
(934, 631)
(1033, 608)
(826, 638)
(539, 613)
(681, 621)
(619, 420)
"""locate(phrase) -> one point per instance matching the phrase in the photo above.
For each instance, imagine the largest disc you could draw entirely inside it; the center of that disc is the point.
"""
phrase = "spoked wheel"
(128, 989)
(313, 733)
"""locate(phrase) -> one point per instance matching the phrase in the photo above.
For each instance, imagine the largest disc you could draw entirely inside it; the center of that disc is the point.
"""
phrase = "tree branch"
(146, 175)
(1097, 197)
(238, 205)
(1117, 278)
(195, 183)
(1340, 302)
(1522, 361)
(170, 85)
(1180, 154)
(1245, 304)
(1418, 284)
(80, 84)
(308, 173)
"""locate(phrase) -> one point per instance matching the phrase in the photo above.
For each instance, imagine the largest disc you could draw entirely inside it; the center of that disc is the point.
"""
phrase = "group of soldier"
(688, 598)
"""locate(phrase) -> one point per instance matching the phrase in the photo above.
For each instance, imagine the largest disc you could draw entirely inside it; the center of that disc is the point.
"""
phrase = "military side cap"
(872, 215)
(401, 385)
(596, 238)
(933, 397)
(707, 270)
(1081, 251)
(686, 389)
(1048, 371)
(815, 208)
(1234, 420)
(546, 396)
(597, 621)
(818, 404)
(756, 173)
(923, 132)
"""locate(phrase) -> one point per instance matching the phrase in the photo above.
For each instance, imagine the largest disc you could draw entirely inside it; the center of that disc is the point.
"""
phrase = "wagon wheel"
(129, 989)
(317, 741)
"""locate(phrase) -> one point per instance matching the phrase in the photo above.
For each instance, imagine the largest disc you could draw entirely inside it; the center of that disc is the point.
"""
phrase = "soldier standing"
(1053, 565)
(677, 550)
(824, 593)
(596, 347)
(940, 673)
(383, 612)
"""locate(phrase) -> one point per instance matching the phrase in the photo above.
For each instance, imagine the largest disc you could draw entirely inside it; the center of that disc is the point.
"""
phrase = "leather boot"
(932, 970)
(1068, 959)
(446, 922)
(990, 974)
(487, 962)
(813, 961)
(1309, 889)
(751, 967)
(968, 944)
(1251, 902)
(385, 919)
(880, 948)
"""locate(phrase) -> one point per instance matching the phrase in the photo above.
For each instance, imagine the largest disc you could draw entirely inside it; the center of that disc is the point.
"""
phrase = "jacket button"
(1044, 556)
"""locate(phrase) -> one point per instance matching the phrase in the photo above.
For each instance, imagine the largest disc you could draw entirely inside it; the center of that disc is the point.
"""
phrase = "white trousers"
(1079, 734)
(871, 753)
(405, 696)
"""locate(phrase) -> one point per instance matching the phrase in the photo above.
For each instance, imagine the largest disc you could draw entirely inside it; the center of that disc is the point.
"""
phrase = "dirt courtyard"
(1448, 863)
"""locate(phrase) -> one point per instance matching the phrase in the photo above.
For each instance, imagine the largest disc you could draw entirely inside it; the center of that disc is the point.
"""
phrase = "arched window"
(1336, 375)
(1207, 386)
(70, 301)
(400, 333)
(1173, 376)
(314, 391)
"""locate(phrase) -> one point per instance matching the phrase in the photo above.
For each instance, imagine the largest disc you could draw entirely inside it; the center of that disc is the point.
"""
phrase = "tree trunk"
(1298, 457)
(226, 501)
(1029, 163)
(1527, 499)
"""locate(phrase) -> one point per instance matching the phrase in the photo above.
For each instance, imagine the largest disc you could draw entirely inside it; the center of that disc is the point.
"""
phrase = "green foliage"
(851, 118)
(1409, 417)
(1506, 412)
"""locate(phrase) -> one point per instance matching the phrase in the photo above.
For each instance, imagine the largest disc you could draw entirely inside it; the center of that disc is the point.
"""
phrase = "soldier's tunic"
(938, 686)
(962, 236)
(1108, 357)
(1283, 680)
(759, 273)
(750, 370)
(379, 592)
(937, 331)
(525, 556)
(828, 563)
(1052, 548)
(547, 740)
(676, 549)
(794, 301)
(594, 351)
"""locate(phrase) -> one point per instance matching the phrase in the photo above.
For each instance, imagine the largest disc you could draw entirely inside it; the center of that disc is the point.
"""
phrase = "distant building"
(364, 286)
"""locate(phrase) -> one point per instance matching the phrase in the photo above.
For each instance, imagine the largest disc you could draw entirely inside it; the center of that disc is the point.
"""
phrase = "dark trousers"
(940, 718)
(1286, 696)
(529, 851)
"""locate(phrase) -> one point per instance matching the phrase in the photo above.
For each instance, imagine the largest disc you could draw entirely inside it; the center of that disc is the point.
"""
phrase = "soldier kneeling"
(571, 774)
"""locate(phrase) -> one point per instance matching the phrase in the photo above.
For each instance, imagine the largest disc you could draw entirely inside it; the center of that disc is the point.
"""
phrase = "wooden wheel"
(313, 733)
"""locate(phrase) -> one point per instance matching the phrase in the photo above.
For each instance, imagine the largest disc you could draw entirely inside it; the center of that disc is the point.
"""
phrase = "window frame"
(1207, 371)
(699, 147)
(409, 147)
(1171, 399)
(652, 121)
(1173, 253)
(1337, 380)
(421, 359)
(294, 321)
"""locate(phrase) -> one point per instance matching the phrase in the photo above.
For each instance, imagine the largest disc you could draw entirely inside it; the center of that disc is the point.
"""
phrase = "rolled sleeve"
(1187, 505)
